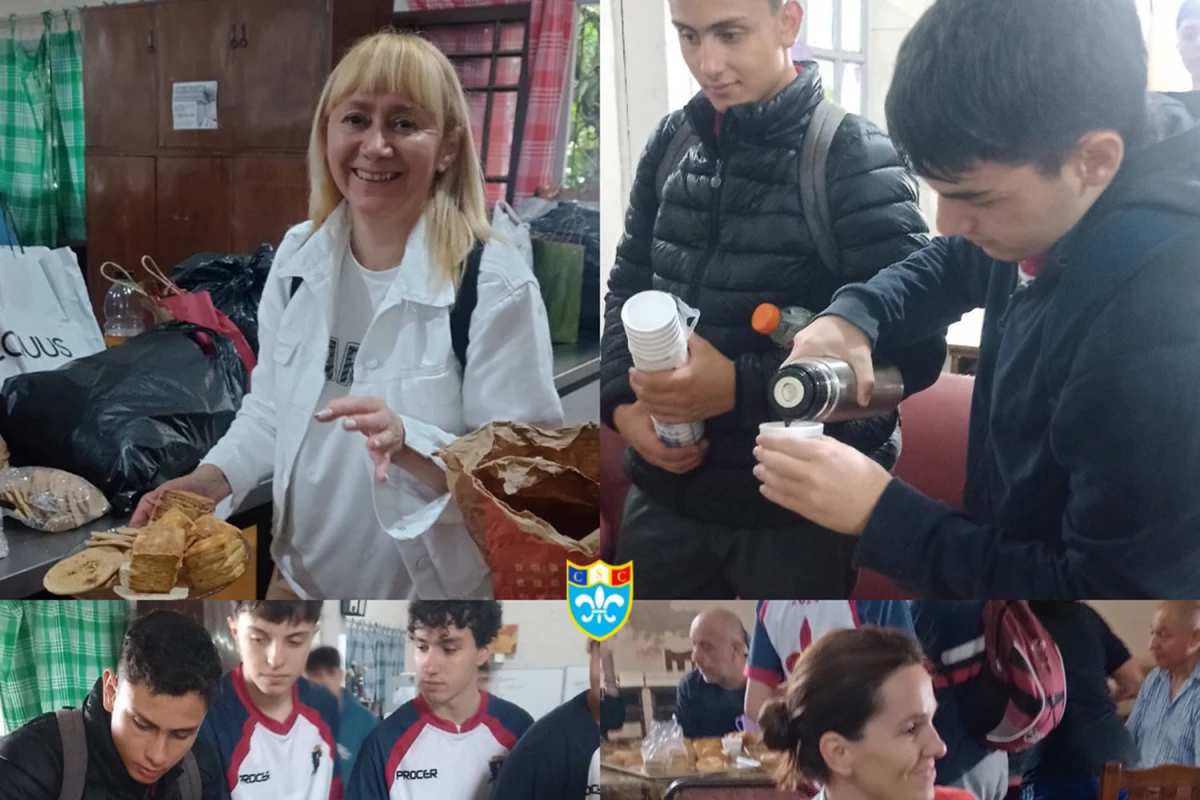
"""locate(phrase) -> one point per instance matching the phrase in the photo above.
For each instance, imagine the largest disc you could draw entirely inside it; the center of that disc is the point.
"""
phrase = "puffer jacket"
(725, 246)
(31, 762)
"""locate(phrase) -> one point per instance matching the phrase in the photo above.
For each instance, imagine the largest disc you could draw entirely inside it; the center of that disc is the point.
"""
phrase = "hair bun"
(774, 720)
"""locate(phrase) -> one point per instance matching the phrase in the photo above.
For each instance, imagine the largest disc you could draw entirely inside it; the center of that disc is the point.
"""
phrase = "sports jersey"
(267, 760)
(415, 755)
(558, 759)
(784, 628)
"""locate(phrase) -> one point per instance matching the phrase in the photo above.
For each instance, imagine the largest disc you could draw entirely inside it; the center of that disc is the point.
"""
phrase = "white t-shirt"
(333, 461)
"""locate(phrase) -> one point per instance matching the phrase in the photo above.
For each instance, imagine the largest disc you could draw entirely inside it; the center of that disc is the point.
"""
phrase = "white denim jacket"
(406, 358)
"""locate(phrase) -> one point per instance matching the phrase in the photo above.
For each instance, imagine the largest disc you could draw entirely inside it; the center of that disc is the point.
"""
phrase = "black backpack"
(460, 312)
(74, 746)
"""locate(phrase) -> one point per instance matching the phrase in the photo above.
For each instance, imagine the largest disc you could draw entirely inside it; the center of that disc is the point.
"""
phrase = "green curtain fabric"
(41, 136)
(52, 652)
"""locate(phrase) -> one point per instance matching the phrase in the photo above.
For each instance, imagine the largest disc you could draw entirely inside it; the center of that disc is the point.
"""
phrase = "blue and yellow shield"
(599, 597)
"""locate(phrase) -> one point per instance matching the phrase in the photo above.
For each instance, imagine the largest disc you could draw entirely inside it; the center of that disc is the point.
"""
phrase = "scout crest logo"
(599, 597)
(316, 758)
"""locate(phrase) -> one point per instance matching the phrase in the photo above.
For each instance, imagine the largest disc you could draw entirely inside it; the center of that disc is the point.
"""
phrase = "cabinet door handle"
(242, 42)
(233, 40)
(150, 40)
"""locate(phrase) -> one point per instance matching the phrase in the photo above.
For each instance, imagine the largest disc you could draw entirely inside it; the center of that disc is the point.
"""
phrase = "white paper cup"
(801, 430)
(649, 313)
(732, 745)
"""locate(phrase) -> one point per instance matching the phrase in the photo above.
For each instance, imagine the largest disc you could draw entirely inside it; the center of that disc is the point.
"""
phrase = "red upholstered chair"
(934, 457)
(613, 487)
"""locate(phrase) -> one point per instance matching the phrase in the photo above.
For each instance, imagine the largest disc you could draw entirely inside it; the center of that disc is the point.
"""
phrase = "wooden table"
(620, 785)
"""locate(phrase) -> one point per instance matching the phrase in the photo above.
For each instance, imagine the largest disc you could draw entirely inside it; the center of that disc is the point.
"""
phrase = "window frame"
(839, 56)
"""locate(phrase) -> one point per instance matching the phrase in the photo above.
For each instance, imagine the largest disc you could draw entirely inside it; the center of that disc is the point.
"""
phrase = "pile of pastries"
(704, 755)
(182, 544)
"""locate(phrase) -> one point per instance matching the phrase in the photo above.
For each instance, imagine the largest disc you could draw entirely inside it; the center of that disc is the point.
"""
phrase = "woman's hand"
(206, 480)
(371, 417)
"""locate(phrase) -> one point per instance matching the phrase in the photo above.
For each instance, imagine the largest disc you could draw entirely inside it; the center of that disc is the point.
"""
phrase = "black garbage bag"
(571, 222)
(235, 283)
(130, 417)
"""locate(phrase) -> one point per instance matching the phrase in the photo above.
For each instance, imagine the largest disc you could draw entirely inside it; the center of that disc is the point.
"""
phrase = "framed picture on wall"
(354, 608)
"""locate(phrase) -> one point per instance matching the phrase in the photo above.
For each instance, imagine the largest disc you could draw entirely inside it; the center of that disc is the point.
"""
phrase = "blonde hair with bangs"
(409, 66)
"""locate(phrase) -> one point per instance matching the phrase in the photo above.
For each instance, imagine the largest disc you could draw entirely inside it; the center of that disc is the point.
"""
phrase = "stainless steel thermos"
(826, 390)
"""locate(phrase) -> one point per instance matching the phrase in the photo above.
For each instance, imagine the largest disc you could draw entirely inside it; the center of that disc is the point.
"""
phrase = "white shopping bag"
(46, 319)
(507, 224)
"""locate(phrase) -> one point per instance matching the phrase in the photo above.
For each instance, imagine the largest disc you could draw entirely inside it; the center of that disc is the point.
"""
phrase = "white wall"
(546, 637)
(656, 626)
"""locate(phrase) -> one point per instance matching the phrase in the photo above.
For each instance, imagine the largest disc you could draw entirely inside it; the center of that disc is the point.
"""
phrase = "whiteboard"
(400, 689)
(538, 691)
(579, 679)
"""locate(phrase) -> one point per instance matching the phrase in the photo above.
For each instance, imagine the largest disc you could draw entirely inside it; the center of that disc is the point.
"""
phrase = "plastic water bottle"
(781, 325)
(123, 315)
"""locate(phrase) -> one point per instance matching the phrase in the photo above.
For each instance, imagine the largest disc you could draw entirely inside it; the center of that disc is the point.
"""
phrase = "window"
(834, 34)
(581, 150)
(489, 47)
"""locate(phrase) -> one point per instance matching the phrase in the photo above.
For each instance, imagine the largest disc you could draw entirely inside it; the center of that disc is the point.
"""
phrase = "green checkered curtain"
(66, 80)
(41, 136)
(52, 652)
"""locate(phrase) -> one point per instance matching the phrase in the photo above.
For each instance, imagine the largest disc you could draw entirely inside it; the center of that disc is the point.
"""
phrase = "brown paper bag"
(530, 499)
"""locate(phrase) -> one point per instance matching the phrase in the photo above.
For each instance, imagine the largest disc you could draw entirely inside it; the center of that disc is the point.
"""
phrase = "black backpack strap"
(814, 185)
(74, 747)
(464, 305)
(189, 780)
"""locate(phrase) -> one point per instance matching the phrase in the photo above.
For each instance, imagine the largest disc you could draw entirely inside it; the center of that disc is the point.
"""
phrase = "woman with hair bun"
(856, 720)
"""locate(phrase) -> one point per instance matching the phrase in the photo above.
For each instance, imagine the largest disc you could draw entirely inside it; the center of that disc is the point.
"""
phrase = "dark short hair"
(834, 687)
(322, 659)
(277, 611)
(170, 654)
(1190, 10)
(1016, 82)
(481, 617)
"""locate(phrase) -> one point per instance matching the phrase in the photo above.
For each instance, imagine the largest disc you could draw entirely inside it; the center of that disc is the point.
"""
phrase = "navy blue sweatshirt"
(1084, 454)
(557, 759)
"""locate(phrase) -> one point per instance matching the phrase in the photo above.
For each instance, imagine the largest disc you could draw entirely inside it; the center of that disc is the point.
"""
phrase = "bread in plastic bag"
(49, 500)
(664, 749)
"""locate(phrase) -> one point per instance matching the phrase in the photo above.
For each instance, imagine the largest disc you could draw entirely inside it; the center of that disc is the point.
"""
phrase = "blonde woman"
(358, 383)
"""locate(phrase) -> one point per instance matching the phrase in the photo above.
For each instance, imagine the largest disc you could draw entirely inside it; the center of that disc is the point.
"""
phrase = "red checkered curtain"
(551, 25)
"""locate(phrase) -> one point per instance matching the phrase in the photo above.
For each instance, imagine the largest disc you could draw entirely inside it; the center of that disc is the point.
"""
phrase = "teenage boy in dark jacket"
(727, 234)
(137, 732)
(1070, 200)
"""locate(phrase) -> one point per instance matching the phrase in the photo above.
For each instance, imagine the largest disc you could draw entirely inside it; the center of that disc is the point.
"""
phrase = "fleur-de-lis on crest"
(599, 605)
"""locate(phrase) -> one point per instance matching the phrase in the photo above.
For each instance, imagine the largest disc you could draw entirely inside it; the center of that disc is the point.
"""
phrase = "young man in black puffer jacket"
(139, 726)
(728, 234)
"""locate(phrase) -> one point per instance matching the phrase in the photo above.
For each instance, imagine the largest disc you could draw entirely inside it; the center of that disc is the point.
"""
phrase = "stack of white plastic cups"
(657, 341)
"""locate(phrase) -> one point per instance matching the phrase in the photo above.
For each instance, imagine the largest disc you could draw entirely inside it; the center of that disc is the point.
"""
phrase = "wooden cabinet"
(195, 45)
(194, 198)
(153, 190)
(281, 71)
(120, 216)
(122, 107)
(270, 195)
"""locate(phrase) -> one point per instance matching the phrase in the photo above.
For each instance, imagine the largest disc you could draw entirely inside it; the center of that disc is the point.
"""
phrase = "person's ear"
(484, 655)
(109, 690)
(448, 152)
(790, 17)
(233, 627)
(1097, 158)
(838, 753)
